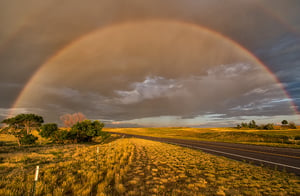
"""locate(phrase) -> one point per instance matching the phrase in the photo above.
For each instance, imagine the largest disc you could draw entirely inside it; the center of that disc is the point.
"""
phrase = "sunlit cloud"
(150, 88)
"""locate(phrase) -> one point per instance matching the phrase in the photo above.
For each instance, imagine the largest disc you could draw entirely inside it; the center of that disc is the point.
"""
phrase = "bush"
(48, 129)
(244, 125)
(292, 125)
(268, 126)
(84, 131)
(60, 136)
(28, 139)
(284, 122)
(252, 124)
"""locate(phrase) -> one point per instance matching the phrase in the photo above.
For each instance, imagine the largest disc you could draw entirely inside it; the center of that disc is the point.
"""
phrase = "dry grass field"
(135, 167)
(278, 137)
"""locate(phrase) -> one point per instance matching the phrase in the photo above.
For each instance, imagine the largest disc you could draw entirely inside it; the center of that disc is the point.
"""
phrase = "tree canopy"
(284, 122)
(252, 125)
(86, 130)
(83, 131)
(26, 121)
(71, 119)
(47, 130)
(20, 126)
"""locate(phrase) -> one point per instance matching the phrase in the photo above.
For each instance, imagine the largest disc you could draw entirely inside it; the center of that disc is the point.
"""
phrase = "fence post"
(35, 179)
(97, 164)
(97, 156)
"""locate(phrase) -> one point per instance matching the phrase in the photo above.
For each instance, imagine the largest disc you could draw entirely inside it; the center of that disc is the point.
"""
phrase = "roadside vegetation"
(135, 167)
(81, 130)
(279, 136)
(21, 126)
(269, 126)
(83, 159)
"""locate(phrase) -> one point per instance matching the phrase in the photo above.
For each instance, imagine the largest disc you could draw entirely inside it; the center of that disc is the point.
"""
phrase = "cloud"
(7, 112)
(122, 124)
(282, 57)
(244, 91)
(256, 91)
(64, 91)
(8, 89)
(151, 69)
(230, 70)
(150, 88)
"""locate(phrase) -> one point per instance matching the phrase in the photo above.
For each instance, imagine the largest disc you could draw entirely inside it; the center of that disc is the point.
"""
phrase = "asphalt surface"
(283, 159)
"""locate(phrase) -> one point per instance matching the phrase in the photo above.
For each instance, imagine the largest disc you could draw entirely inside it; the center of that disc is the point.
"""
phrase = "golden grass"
(278, 137)
(8, 139)
(137, 167)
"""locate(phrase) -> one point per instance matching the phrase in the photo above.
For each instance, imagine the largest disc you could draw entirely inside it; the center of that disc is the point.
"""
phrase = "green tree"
(84, 131)
(244, 125)
(21, 125)
(27, 121)
(60, 136)
(18, 133)
(28, 139)
(252, 124)
(284, 122)
(47, 130)
(268, 126)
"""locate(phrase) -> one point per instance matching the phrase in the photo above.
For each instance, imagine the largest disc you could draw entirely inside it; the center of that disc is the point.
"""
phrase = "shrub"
(284, 122)
(252, 124)
(28, 139)
(244, 125)
(268, 126)
(292, 125)
(48, 129)
(60, 136)
(84, 131)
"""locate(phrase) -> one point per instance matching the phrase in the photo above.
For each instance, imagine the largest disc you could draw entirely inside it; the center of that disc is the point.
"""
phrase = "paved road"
(286, 159)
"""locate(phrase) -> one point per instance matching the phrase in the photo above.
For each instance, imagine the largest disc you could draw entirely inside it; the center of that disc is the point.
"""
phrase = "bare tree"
(71, 119)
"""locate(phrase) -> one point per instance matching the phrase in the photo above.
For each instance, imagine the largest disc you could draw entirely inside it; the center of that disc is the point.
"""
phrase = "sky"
(151, 63)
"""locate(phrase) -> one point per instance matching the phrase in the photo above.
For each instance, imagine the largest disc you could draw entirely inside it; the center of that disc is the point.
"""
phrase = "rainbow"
(193, 25)
(259, 5)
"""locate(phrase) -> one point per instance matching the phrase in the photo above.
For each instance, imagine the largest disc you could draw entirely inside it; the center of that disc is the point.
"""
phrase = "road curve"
(286, 159)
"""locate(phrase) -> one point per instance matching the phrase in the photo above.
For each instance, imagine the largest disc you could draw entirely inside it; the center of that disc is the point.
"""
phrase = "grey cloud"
(282, 57)
(4, 112)
(180, 82)
(150, 88)
(186, 97)
(231, 70)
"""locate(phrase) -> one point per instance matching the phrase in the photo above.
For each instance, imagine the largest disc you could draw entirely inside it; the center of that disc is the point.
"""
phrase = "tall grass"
(66, 170)
(280, 138)
(136, 167)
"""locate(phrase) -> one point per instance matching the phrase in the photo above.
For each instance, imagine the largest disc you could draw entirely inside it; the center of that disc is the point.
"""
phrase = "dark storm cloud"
(33, 31)
(282, 57)
(187, 97)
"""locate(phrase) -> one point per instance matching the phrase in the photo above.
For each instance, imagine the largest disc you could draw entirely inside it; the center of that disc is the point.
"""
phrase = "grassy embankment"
(135, 167)
(279, 137)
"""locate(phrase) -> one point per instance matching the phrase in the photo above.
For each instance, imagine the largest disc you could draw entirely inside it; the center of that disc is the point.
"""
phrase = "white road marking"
(284, 165)
(236, 155)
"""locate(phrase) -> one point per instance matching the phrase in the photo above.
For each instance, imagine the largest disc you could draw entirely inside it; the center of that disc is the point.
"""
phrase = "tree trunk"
(19, 142)
(27, 127)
